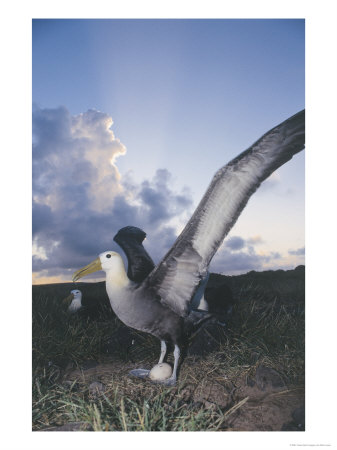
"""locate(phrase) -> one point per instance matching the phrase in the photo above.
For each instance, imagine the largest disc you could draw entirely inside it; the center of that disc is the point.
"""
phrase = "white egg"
(160, 371)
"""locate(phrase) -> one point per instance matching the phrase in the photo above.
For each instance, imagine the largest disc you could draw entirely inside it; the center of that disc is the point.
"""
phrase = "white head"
(76, 293)
(111, 261)
(112, 264)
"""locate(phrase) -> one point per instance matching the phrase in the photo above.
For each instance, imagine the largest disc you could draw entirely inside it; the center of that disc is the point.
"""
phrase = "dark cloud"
(235, 243)
(298, 252)
(228, 262)
(225, 261)
(42, 218)
(159, 202)
(238, 255)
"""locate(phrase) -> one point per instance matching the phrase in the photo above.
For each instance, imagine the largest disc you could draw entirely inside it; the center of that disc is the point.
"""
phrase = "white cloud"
(72, 153)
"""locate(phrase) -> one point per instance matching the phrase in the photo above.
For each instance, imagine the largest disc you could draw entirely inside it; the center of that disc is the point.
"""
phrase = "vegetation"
(81, 365)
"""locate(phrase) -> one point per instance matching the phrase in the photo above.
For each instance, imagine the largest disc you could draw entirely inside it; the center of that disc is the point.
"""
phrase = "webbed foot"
(140, 373)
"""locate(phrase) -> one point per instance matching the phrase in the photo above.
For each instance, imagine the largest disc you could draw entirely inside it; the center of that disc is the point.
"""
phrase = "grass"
(267, 329)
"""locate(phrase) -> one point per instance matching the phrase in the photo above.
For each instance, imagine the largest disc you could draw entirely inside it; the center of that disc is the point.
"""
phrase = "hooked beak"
(68, 299)
(94, 266)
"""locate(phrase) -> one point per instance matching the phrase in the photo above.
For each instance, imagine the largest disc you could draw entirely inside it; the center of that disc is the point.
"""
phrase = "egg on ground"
(160, 371)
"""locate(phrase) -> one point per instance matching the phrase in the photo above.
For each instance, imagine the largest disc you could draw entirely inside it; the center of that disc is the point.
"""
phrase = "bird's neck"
(116, 280)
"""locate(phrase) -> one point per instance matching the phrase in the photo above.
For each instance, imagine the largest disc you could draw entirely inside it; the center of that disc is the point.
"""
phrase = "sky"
(132, 118)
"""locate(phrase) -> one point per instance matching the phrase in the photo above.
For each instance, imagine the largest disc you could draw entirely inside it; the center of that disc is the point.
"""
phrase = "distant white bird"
(75, 300)
(92, 304)
(161, 304)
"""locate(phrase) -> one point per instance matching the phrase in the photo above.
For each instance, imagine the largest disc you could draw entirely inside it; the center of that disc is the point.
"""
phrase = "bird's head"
(76, 293)
(107, 261)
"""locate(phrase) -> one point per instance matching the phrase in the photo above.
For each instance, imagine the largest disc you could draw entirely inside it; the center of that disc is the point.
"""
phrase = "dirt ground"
(258, 400)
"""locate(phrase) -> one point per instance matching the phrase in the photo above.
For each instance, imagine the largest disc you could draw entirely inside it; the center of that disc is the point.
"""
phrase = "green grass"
(268, 329)
(111, 412)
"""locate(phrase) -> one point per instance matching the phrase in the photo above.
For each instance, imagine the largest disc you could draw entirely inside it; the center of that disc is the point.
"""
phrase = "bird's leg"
(162, 351)
(173, 378)
(144, 373)
(176, 355)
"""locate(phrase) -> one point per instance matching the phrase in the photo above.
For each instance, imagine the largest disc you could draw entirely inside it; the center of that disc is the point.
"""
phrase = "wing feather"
(140, 264)
(178, 275)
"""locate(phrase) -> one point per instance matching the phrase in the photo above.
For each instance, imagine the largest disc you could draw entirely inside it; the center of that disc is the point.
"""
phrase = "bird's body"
(161, 303)
(75, 305)
(140, 263)
(136, 305)
(218, 300)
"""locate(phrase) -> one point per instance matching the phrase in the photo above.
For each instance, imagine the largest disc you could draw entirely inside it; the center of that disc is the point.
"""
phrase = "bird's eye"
(108, 255)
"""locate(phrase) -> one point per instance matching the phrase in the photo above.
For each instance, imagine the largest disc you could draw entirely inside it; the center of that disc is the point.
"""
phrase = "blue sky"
(185, 97)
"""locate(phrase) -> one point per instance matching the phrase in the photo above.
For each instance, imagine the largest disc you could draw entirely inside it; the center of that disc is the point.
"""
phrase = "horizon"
(214, 273)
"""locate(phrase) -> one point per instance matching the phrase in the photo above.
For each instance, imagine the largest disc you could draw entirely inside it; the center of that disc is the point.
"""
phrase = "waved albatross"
(74, 300)
(160, 305)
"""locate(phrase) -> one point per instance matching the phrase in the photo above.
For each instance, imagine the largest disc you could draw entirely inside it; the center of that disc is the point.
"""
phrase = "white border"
(321, 226)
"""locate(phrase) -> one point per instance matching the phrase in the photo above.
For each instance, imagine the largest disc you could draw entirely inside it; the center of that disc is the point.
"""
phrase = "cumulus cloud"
(238, 256)
(74, 154)
(79, 200)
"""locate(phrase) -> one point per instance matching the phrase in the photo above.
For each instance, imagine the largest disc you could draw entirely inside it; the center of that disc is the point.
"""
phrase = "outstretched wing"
(178, 275)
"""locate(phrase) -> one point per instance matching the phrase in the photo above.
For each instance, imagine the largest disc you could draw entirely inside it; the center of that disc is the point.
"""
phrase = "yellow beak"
(68, 299)
(94, 266)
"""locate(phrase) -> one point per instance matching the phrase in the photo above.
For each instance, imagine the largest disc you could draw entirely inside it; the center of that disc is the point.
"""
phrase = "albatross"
(161, 303)
(74, 300)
